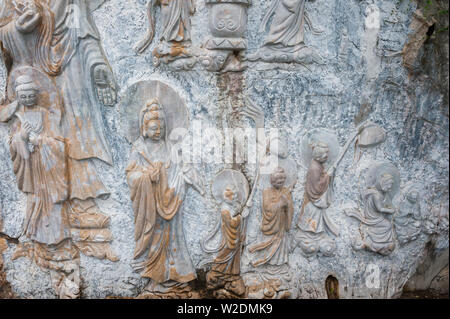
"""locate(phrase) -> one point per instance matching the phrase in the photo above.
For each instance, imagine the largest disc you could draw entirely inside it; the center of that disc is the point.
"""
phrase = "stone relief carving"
(39, 157)
(437, 220)
(316, 230)
(59, 49)
(228, 25)
(370, 135)
(284, 42)
(276, 178)
(382, 182)
(158, 180)
(174, 47)
(322, 154)
(231, 191)
(408, 220)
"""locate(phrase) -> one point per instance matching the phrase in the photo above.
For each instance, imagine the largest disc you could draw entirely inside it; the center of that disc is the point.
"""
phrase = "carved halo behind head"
(139, 94)
(230, 177)
(378, 170)
(317, 137)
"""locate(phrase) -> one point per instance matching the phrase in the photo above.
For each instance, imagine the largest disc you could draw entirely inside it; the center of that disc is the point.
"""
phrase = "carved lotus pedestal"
(228, 25)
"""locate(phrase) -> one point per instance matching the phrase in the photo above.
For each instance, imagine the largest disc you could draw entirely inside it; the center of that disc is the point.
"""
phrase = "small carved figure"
(408, 221)
(284, 42)
(278, 210)
(231, 189)
(158, 183)
(175, 39)
(376, 229)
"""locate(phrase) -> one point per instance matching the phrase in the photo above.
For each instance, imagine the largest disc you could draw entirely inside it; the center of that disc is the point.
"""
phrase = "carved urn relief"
(228, 25)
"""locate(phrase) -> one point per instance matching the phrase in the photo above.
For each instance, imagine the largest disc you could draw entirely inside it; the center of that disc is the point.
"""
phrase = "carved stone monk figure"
(278, 210)
(315, 227)
(175, 36)
(39, 154)
(226, 268)
(377, 232)
(158, 186)
(59, 38)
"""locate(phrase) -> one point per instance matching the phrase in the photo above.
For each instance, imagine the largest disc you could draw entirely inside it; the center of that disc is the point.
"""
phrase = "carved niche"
(285, 23)
(54, 54)
(231, 191)
(175, 46)
(376, 231)
(156, 120)
(228, 25)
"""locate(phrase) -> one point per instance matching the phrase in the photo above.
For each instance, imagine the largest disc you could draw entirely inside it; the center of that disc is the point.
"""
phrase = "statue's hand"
(28, 21)
(105, 85)
(254, 112)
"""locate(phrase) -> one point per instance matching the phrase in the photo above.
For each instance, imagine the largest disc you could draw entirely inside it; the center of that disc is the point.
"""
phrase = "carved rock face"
(314, 70)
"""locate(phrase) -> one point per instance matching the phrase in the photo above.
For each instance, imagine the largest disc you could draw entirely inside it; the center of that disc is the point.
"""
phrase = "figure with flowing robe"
(38, 152)
(278, 210)
(376, 229)
(226, 268)
(285, 40)
(408, 221)
(158, 188)
(59, 38)
(315, 227)
(175, 38)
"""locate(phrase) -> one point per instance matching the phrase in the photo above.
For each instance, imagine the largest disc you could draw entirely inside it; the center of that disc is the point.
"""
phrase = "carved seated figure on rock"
(408, 221)
(376, 232)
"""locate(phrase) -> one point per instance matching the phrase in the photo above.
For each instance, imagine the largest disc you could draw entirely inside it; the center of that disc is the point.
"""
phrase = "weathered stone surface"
(371, 61)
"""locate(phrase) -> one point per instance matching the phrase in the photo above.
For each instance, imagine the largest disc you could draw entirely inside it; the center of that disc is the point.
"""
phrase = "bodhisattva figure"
(285, 40)
(175, 39)
(60, 39)
(231, 189)
(278, 210)
(408, 221)
(158, 184)
(376, 231)
(315, 227)
(38, 152)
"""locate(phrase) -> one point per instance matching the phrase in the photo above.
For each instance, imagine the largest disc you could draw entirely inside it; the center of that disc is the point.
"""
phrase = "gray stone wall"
(362, 77)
